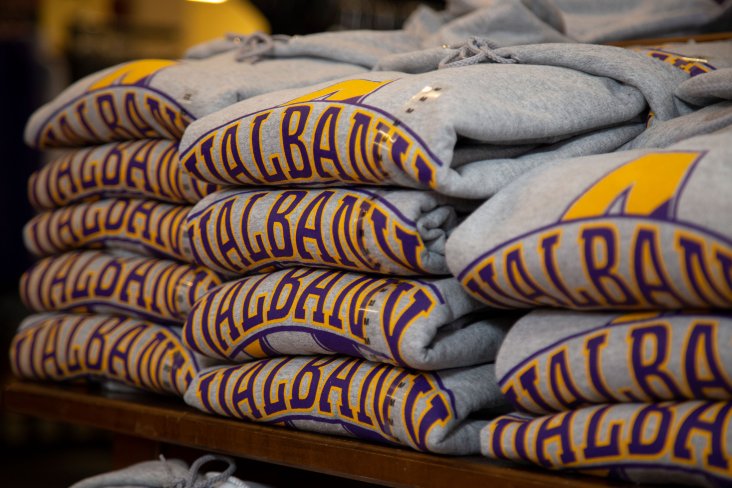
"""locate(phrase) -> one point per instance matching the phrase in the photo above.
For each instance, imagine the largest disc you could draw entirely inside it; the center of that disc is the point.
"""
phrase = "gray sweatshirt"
(159, 98)
(143, 169)
(421, 324)
(561, 360)
(428, 411)
(63, 347)
(154, 98)
(145, 227)
(383, 231)
(670, 443)
(94, 282)
(393, 128)
(638, 229)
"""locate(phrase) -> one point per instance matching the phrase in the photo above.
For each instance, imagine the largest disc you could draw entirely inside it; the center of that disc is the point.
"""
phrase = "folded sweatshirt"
(428, 411)
(145, 227)
(383, 231)
(91, 281)
(159, 98)
(687, 443)
(394, 128)
(642, 229)
(144, 169)
(154, 98)
(561, 360)
(61, 347)
(421, 324)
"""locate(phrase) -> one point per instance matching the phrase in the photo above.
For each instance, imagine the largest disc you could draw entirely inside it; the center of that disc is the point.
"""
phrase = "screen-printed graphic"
(620, 244)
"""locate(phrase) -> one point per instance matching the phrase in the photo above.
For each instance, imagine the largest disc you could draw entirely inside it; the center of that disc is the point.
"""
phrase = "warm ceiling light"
(208, 1)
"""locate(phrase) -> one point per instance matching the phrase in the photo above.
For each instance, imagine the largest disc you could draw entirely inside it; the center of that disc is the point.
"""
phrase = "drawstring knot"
(475, 50)
(250, 47)
(253, 46)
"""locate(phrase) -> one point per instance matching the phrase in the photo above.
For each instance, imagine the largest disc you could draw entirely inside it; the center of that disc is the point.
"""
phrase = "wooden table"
(144, 422)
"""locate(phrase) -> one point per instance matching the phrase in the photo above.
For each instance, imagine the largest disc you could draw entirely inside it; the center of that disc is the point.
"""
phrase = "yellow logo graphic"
(134, 73)
(645, 186)
(353, 91)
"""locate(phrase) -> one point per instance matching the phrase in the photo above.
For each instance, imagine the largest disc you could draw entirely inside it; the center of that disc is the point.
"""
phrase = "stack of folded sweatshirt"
(345, 321)
(350, 157)
(115, 185)
(398, 360)
(111, 288)
(629, 377)
(305, 157)
(117, 275)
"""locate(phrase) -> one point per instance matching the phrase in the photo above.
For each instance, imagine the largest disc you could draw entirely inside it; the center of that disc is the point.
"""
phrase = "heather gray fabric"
(91, 281)
(546, 9)
(638, 229)
(505, 22)
(516, 22)
(62, 347)
(707, 88)
(360, 47)
(703, 121)
(686, 443)
(421, 324)
(657, 84)
(656, 79)
(495, 173)
(354, 397)
(145, 169)
(391, 128)
(562, 360)
(170, 473)
(145, 227)
(383, 231)
(692, 58)
(598, 21)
